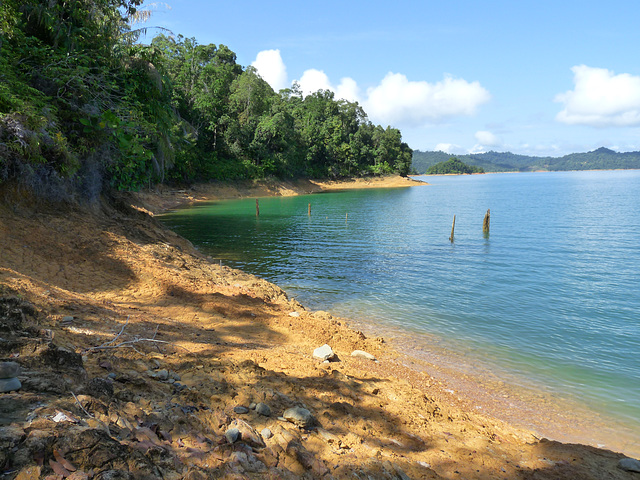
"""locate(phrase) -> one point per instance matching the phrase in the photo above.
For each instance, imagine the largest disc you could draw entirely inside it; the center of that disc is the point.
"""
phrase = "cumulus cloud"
(399, 101)
(449, 148)
(272, 69)
(313, 80)
(396, 100)
(601, 98)
(487, 139)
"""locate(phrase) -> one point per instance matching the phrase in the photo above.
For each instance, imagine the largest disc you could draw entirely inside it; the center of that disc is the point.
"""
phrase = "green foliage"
(453, 166)
(82, 104)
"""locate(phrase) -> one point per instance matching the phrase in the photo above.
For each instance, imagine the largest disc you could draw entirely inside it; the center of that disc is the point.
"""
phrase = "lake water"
(550, 299)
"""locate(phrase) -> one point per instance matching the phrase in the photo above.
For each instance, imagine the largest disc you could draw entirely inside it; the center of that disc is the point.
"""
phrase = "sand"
(117, 299)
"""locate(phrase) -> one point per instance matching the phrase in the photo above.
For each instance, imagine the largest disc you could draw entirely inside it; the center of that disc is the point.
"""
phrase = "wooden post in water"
(257, 208)
(309, 209)
(485, 223)
(453, 227)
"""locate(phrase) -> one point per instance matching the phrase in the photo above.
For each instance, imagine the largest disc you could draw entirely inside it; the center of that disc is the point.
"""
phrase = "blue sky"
(531, 77)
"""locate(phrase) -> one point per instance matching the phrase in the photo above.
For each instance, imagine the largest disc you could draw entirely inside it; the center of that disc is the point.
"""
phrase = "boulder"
(629, 464)
(9, 369)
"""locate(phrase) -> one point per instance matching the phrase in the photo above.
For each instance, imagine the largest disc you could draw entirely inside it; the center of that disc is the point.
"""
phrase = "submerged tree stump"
(453, 227)
(485, 223)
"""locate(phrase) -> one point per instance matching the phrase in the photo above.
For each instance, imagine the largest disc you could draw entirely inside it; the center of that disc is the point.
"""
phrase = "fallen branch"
(131, 343)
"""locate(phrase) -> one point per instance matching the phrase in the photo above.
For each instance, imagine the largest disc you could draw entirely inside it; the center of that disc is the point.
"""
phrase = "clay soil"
(135, 350)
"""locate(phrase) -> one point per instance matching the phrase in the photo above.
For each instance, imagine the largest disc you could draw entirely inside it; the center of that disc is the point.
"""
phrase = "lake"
(548, 300)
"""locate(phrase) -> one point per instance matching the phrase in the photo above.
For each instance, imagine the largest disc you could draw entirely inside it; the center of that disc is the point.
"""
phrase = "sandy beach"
(141, 358)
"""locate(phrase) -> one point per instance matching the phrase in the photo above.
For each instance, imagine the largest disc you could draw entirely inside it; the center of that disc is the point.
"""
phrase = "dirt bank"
(139, 357)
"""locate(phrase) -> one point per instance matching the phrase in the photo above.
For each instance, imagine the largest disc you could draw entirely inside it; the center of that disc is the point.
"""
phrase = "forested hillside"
(84, 107)
(600, 159)
(453, 166)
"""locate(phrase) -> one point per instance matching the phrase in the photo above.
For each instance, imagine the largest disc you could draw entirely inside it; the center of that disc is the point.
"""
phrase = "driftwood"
(131, 343)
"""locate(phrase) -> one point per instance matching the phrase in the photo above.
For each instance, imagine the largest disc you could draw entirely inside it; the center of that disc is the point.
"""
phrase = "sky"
(543, 78)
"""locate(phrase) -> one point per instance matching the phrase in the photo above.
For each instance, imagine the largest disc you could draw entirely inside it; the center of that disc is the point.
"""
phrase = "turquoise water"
(551, 295)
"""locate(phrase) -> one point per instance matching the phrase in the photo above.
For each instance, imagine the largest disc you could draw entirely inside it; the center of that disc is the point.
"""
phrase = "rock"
(162, 375)
(263, 409)
(240, 409)
(629, 464)
(252, 406)
(362, 354)
(328, 436)
(299, 416)
(323, 353)
(248, 434)
(266, 433)
(9, 369)
(294, 314)
(232, 435)
(9, 384)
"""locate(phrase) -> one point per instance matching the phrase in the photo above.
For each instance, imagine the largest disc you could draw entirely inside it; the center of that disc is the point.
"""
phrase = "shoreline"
(506, 399)
(208, 342)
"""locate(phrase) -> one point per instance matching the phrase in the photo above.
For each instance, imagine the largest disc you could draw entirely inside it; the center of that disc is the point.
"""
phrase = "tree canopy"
(83, 107)
(453, 166)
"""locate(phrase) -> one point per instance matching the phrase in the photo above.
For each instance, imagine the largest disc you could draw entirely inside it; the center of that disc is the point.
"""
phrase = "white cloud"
(600, 98)
(448, 148)
(272, 69)
(402, 102)
(313, 80)
(487, 139)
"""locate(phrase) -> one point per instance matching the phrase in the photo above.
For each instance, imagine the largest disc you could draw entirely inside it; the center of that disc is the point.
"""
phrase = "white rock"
(294, 314)
(362, 354)
(323, 353)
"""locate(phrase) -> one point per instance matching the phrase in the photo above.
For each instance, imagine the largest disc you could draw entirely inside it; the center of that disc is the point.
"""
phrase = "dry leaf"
(63, 461)
(59, 469)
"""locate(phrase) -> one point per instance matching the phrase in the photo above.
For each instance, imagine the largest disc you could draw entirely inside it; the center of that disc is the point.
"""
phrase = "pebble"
(299, 416)
(266, 433)
(294, 314)
(323, 353)
(162, 375)
(9, 369)
(240, 409)
(363, 354)
(9, 384)
(263, 409)
(252, 406)
(629, 464)
(232, 435)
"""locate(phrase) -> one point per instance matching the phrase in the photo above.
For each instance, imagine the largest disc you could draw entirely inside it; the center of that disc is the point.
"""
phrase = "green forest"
(600, 159)
(453, 166)
(84, 107)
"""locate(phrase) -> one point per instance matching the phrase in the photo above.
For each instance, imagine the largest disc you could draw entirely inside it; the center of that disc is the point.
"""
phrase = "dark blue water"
(551, 295)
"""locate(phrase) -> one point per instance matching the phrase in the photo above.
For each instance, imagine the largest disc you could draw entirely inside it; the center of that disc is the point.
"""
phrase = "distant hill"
(600, 159)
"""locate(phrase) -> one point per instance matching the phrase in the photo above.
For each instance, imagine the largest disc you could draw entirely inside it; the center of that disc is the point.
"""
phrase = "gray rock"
(299, 416)
(248, 434)
(240, 409)
(266, 433)
(162, 375)
(9, 384)
(252, 406)
(263, 409)
(629, 464)
(9, 369)
(362, 354)
(323, 353)
(174, 376)
(232, 435)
